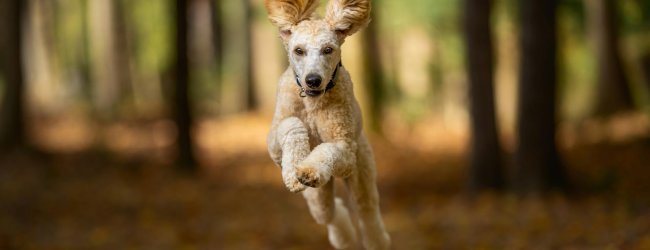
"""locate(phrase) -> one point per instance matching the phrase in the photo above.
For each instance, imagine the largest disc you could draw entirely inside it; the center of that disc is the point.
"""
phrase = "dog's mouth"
(313, 93)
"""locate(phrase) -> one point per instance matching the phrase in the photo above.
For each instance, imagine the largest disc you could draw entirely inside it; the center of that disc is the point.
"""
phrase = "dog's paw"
(310, 176)
(292, 183)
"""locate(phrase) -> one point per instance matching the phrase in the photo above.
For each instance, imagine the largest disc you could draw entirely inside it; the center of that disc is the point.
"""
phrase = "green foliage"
(153, 34)
(576, 76)
(634, 16)
(151, 40)
(573, 13)
(440, 15)
(71, 32)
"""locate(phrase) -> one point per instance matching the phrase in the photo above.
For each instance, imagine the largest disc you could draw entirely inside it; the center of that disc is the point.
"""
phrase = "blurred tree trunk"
(251, 101)
(85, 55)
(122, 52)
(537, 164)
(217, 34)
(645, 66)
(109, 55)
(485, 152)
(105, 90)
(373, 75)
(216, 22)
(12, 123)
(392, 92)
(613, 88)
(43, 55)
(181, 96)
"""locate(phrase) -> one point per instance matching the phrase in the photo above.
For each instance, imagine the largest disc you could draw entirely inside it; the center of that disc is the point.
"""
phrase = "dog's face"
(314, 53)
(313, 44)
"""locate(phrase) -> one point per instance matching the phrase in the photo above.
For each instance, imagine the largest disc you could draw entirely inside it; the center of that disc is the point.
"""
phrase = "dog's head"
(314, 44)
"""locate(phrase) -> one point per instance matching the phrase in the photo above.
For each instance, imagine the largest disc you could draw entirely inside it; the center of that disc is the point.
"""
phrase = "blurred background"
(503, 124)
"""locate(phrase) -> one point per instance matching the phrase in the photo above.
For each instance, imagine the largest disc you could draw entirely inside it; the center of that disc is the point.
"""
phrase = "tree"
(537, 164)
(645, 66)
(122, 50)
(217, 33)
(485, 150)
(12, 123)
(375, 90)
(181, 100)
(251, 101)
(216, 23)
(109, 55)
(613, 87)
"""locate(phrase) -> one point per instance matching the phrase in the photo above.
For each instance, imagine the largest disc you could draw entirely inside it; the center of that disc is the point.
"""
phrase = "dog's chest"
(313, 125)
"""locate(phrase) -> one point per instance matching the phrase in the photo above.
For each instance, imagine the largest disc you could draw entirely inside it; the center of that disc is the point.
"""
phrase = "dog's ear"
(348, 16)
(286, 13)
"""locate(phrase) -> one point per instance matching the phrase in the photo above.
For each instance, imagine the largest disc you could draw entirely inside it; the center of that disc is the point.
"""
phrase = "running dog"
(316, 132)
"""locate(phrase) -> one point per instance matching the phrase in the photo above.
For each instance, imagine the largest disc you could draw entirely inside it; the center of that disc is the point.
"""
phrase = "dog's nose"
(313, 80)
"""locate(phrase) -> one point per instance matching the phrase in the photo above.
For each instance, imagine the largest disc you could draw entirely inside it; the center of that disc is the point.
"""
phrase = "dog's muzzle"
(314, 93)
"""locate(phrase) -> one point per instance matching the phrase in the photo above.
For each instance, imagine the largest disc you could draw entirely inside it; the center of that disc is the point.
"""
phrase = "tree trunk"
(12, 123)
(122, 52)
(537, 164)
(645, 67)
(217, 33)
(104, 74)
(218, 46)
(181, 99)
(251, 101)
(373, 75)
(485, 152)
(85, 56)
(613, 88)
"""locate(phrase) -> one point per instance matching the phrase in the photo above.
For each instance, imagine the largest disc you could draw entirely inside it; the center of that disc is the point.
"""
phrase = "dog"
(316, 133)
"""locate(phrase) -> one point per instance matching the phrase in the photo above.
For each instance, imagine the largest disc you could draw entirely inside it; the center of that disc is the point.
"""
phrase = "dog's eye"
(328, 50)
(299, 51)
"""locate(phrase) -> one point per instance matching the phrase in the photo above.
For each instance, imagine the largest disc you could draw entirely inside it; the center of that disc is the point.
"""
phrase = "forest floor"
(128, 196)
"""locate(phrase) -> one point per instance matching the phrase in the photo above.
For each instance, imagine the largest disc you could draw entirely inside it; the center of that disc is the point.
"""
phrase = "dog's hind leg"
(341, 232)
(364, 190)
(330, 211)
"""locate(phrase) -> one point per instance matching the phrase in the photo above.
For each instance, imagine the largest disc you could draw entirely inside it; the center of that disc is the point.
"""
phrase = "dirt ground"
(128, 196)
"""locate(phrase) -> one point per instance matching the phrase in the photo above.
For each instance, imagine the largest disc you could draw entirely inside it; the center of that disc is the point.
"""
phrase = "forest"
(496, 124)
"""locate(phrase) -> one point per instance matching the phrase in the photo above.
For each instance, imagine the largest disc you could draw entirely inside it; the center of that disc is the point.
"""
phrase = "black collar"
(329, 86)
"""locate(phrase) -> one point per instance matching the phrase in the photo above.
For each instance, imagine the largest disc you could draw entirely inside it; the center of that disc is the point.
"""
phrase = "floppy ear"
(286, 13)
(348, 16)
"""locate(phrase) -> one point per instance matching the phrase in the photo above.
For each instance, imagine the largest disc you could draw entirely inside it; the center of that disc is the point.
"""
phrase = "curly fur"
(348, 16)
(287, 13)
(316, 138)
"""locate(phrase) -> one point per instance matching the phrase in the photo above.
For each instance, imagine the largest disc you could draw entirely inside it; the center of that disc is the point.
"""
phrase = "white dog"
(317, 129)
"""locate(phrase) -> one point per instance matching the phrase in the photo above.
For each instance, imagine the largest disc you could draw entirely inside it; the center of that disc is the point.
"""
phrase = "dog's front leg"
(327, 159)
(293, 139)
